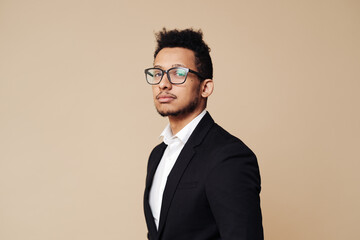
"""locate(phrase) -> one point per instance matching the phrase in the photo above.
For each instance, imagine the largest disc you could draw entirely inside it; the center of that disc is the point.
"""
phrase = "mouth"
(165, 97)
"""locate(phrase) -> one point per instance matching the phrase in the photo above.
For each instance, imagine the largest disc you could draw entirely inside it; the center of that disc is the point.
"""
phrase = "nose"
(165, 83)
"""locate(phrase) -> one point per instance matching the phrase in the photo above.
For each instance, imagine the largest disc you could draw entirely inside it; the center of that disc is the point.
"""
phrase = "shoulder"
(226, 143)
(225, 151)
(158, 149)
(156, 153)
(209, 134)
(230, 160)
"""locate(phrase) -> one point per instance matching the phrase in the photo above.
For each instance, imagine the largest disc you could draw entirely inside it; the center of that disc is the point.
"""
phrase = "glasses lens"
(178, 75)
(153, 76)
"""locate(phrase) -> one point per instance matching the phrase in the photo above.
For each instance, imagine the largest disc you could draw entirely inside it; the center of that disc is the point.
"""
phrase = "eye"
(158, 74)
(155, 73)
(180, 73)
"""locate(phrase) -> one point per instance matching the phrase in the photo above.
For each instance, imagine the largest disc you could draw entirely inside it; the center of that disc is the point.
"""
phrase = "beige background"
(77, 120)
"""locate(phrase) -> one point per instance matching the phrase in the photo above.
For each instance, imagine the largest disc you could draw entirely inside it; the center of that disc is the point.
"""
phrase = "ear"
(207, 87)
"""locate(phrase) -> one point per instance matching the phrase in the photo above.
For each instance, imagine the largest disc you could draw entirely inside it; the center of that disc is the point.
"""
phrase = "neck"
(179, 122)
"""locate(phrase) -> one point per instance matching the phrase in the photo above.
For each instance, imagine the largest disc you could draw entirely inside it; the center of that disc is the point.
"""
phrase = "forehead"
(168, 57)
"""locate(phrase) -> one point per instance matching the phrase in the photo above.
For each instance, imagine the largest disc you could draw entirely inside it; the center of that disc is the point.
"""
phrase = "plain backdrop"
(77, 121)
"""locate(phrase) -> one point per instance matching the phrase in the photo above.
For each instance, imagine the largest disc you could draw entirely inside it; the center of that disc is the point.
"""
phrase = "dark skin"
(180, 103)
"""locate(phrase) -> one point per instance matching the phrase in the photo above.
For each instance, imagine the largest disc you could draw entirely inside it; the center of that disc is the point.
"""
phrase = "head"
(187, 49)
(189, 39)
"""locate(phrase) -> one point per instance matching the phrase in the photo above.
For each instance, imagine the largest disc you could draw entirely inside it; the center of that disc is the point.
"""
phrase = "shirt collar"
(184, 134)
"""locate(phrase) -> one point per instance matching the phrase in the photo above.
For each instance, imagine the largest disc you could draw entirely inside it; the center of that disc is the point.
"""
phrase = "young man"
(202, 183)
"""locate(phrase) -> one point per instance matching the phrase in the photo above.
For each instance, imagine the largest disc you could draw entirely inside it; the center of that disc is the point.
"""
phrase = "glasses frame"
(168, 75)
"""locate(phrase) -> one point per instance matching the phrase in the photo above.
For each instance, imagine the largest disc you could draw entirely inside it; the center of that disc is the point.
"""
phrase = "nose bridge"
(165, 82)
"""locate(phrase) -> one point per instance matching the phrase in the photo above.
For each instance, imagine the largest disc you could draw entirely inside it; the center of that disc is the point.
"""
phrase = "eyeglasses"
(176, 75)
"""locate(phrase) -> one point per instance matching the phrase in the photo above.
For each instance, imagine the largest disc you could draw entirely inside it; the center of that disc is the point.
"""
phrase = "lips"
(165, 97)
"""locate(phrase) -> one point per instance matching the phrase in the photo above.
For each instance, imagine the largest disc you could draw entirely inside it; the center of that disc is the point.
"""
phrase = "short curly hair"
(190, 39)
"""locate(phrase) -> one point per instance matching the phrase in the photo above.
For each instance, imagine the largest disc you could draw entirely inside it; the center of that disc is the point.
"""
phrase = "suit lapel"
(153, 163)
(172, 182)
(182, 162)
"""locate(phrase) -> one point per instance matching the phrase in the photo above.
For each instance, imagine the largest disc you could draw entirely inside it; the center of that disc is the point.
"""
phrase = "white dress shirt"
(175, 145)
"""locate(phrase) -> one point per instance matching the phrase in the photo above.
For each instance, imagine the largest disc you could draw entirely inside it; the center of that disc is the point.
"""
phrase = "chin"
(167, 112)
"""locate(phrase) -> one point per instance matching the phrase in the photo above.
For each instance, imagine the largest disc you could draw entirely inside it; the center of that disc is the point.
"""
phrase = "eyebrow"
(174, 65)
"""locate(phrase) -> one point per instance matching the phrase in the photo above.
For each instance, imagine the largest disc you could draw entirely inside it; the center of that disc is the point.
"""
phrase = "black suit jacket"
(211, 193)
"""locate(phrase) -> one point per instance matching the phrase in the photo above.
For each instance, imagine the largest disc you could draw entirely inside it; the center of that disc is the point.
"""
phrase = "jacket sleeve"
(233, 188)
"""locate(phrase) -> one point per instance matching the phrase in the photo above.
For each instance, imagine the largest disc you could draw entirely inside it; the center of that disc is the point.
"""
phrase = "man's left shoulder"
(223, 139)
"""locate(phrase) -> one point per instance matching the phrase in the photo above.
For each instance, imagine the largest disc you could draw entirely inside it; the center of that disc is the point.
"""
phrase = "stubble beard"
(183, 111)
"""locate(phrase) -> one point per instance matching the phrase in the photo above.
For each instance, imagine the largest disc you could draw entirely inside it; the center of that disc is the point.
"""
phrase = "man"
(202, 183)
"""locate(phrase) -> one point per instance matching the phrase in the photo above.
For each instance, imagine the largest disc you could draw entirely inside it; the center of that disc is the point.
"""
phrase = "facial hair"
(183, 111)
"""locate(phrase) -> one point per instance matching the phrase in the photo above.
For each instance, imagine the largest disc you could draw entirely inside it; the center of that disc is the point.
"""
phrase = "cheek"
(194, 92)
